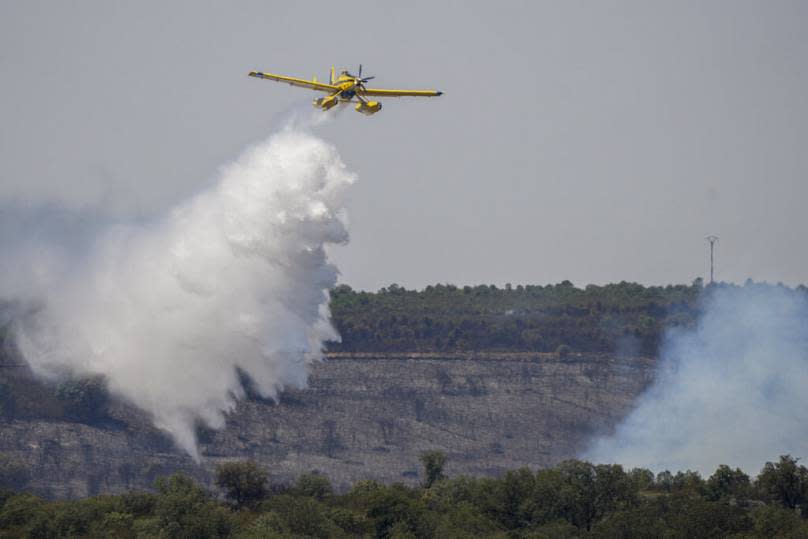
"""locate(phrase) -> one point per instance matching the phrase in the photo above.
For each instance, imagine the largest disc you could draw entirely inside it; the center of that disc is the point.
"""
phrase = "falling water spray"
(234, 279)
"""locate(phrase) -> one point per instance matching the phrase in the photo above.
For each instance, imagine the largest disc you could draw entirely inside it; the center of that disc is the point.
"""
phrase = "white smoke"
(236, 277)
(734, 390)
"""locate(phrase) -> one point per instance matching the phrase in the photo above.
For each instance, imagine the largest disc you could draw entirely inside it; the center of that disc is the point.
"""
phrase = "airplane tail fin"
(331, 78)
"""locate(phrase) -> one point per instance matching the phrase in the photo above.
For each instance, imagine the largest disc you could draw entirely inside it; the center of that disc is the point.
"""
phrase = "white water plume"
(730, 391)
(234, 278)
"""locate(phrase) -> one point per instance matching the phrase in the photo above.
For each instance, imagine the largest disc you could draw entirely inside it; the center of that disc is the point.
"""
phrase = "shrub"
(116, 524)
(244, 483)
(433, 462)
(19, 510)
(184, 510)
(300, 517)
(315, 485)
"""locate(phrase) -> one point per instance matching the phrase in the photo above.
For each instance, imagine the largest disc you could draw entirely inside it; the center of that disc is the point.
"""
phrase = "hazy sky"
(589, 141)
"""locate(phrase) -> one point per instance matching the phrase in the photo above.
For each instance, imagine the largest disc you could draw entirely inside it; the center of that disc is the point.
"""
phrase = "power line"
(712, 240)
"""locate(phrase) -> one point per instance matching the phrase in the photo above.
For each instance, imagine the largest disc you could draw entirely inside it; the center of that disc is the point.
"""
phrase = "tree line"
(623, 317)
(574, 499)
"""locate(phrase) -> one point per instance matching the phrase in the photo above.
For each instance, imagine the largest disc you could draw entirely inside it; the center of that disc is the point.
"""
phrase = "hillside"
(364, 416)
(445, 368)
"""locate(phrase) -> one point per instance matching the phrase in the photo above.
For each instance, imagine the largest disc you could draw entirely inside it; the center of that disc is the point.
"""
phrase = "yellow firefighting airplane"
(344, 89)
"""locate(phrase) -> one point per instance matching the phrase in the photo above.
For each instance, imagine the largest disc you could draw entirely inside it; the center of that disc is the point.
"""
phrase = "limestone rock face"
(363, 416)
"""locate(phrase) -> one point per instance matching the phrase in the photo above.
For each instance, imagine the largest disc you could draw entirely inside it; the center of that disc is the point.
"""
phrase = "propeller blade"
(368, 78)
(360, 71)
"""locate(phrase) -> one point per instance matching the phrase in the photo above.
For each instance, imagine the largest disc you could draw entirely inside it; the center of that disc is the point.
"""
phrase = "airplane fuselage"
(347, 85)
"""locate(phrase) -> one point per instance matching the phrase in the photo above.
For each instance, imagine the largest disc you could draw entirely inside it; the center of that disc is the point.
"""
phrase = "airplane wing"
(301, 83)
(398, 93)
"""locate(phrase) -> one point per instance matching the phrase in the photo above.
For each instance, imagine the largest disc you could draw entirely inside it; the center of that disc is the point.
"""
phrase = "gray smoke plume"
(234, 278)
(734, 390)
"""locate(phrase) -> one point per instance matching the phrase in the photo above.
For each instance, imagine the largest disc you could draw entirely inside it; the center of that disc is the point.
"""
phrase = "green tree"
(784, 482)
(244, 483)
(511, 499)
(664, 481)
(299, 516)
(20, 510)
(268, 525)
(433, 462)
(399, 510)
(352, 522)
(642, 478)
(727, 483)
(139, 504)
(463, 521)
(640, 523)
(115, 524)
(185, 511)
(775, 521)
(693, 516)
(547, 502)
(689, 481)
(315, 485)
(589, 492)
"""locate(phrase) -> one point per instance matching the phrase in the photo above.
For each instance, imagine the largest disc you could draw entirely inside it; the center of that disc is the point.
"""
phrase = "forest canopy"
(625, 318)
(573, 499)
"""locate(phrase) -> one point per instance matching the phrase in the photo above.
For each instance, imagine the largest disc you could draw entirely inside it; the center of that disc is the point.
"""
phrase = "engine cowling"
(369, 107)
(326, 103)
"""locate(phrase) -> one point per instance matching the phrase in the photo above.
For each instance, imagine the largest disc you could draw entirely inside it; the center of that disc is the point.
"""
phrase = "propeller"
(361, 81)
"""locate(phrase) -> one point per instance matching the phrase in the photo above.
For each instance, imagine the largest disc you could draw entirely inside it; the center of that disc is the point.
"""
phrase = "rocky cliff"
(364, 416)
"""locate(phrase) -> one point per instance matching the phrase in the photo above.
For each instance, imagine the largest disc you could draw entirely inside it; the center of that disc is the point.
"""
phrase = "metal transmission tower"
(712, 240)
